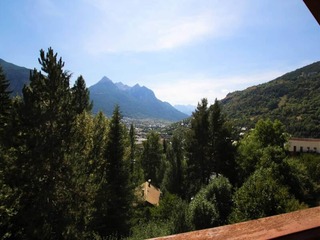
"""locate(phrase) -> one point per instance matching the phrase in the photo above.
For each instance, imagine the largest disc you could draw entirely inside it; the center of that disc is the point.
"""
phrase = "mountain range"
(135, 102)
(293, 98)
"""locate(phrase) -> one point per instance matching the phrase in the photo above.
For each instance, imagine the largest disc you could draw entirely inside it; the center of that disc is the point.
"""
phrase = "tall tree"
(82, 179)
(117, 190)
(9, 195)
(197, 150)
(135, 162)
(152, 158)
(174, 178)
(46, 129)
(132, 147)
(5, 101)
(81, 96)
(100, 132)
(220, 148)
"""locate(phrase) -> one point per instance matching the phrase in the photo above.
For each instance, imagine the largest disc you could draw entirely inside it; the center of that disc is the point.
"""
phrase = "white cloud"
(143, 25)
(191, 90)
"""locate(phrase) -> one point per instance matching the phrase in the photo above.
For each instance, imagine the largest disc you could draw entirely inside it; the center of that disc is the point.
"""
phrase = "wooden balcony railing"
(302, 225)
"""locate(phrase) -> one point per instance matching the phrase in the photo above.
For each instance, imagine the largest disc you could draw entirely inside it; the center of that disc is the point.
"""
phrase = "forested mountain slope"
(293, 98)
(16, 75)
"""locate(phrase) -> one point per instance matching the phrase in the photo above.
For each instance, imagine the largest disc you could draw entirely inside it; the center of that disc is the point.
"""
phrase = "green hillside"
(17, 76)
(293, 98)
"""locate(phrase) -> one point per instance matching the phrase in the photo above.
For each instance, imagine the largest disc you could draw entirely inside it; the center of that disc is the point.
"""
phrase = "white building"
(297, 145)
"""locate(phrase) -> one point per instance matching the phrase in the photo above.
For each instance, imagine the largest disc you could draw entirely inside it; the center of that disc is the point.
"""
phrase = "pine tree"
(174, 177)
(46, 130)
(82, 179)
(197, 151)
(81, 97)
(5, 101)
(132, 147)
(100, 131)
(114, 208)
(9, 196)
(220, 148)
(151, 158)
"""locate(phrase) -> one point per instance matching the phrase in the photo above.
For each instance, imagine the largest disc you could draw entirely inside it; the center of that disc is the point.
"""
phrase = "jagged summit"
(135, 102)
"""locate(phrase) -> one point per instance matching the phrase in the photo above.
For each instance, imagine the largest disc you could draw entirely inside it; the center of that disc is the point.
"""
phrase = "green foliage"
(5, 101)
(269, 133)
(197, 153)
(260, 147)
(115, 194)
(220, 148)
(45, 130)
(170, 217)
(209, 147)
(65, 174)
(151, 158)
(81, 97)
(83, 178)
(262, 195)
(133, 157)
(46, 159)
(303, 177)
(212, 204)
(174, 180)
(9, 197)
(292, 98)
(150, 230)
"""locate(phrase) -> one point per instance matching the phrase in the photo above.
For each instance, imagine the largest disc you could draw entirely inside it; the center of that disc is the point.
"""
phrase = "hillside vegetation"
(17, 76)
(293, 99)
(68, 174)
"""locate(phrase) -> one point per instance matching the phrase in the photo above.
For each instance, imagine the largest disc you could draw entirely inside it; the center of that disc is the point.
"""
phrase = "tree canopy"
(68, 174)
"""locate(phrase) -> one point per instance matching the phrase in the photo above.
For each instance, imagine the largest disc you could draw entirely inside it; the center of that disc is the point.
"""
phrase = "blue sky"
(183, 50)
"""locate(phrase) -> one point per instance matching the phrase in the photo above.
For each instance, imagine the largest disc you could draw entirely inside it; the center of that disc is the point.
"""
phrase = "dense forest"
(292, 98)
(68, 174)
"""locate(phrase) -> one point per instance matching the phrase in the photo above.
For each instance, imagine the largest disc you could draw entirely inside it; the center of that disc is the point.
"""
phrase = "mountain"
(293, 98)
(16, 75)
(187, 109)
(135, 102)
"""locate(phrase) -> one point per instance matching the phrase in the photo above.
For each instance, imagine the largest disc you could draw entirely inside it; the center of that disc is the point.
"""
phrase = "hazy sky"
(183, 50)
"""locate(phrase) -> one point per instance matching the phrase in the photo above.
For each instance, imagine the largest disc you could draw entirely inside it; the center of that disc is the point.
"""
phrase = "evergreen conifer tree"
(220, 148)
(113, 220)
(46, 129)
(197, 151)
(5, 101)
(152, 158)
(81, 96)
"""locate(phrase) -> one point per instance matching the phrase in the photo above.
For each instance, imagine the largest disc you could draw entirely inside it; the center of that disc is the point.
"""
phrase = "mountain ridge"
(135, 102)
(292, 98)
(17, 76)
